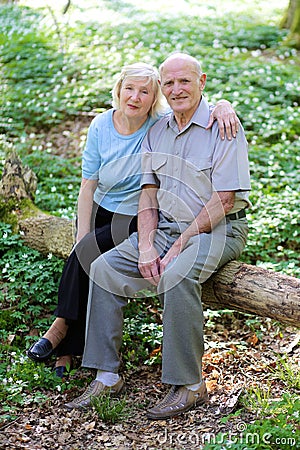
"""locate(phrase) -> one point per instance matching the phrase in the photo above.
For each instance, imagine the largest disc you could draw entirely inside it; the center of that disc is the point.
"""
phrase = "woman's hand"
(227, 119)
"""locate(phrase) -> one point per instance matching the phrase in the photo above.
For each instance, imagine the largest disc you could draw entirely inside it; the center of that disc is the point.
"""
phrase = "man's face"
(182, 85)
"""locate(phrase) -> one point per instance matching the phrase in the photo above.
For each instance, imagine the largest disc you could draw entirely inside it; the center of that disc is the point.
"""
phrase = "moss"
(28, 209)
(7, 212)
(12, 210)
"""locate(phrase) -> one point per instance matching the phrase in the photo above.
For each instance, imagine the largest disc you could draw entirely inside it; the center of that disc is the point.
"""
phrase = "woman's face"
(136, 97)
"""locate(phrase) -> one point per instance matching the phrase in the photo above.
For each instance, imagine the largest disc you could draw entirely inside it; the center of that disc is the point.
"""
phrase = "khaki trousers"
(114, 277)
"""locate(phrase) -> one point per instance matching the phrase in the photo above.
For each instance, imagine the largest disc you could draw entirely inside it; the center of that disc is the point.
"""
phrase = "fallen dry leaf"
(89, 426)
(253, 340)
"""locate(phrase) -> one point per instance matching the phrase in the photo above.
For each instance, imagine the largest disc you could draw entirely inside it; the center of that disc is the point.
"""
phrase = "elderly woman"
(108, 200)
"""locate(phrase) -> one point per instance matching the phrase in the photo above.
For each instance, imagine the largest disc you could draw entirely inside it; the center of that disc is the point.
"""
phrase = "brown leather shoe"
(178, 400)
(95, 389)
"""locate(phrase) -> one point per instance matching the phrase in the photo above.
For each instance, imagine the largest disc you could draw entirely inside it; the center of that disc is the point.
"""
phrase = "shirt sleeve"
(148, 177)
(91, 159)
(230, 166)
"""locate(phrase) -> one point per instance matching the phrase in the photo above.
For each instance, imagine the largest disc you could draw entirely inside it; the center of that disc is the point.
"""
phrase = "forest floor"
(236, 359)
(239, 356)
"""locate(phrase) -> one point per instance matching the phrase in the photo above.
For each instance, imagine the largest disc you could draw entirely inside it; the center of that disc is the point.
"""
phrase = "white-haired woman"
(107, 201)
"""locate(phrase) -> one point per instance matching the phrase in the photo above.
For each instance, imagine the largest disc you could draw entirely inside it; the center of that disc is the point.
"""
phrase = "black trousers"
(109, 229)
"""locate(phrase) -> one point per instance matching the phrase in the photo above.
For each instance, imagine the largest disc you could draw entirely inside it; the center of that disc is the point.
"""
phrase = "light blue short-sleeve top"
(115, 161)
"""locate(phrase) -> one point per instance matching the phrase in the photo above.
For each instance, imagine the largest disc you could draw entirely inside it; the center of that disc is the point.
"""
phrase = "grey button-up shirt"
(190, 164)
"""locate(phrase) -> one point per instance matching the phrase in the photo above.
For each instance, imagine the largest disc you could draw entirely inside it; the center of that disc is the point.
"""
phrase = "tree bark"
(48, 234)
(238, 286)
(255, 290)
(291, 21)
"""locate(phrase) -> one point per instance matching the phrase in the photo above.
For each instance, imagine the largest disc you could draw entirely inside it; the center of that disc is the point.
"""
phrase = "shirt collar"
(200, 117)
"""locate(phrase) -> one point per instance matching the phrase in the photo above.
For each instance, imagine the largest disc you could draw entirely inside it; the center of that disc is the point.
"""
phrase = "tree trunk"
(291, 21)
(239, 286)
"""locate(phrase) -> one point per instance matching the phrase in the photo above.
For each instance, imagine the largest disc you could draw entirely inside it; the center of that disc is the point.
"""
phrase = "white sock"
(193, 387)
(107, 378)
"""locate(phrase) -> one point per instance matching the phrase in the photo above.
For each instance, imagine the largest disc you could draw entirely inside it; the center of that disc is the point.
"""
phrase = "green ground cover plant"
(110, 409)
(273, 430)
(45, 82)
(53, 68)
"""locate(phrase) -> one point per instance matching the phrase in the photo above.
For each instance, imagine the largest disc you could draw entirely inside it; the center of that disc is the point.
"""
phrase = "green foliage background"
(55, 67)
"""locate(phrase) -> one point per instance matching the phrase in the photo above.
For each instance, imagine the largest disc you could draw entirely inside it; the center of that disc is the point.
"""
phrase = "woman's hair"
(141, 70)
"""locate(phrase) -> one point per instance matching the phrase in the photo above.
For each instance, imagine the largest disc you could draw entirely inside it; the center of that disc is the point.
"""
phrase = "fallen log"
(255, 290)
(48, 234)
(237, 286)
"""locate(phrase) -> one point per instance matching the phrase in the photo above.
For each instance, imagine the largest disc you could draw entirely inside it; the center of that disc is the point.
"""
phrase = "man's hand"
(149, 265)
(172, 253)
(227, 119)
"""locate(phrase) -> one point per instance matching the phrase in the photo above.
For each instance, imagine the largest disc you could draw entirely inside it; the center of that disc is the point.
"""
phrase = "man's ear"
(202, 81)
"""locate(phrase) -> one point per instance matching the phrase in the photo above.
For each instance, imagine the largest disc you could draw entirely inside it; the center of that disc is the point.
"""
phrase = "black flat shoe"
(61, 371)
(41, 350)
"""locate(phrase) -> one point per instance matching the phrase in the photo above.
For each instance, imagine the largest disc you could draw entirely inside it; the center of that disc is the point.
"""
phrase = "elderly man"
(191, 221)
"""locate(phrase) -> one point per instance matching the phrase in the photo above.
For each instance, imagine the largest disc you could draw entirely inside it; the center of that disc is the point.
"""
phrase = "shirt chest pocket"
(200, 164)
(199, 168)
(159, 162)
(194, 174)
(160, 167)
(198, 177)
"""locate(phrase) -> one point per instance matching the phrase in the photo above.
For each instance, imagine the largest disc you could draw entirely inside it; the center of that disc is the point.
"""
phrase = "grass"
(110, 409)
